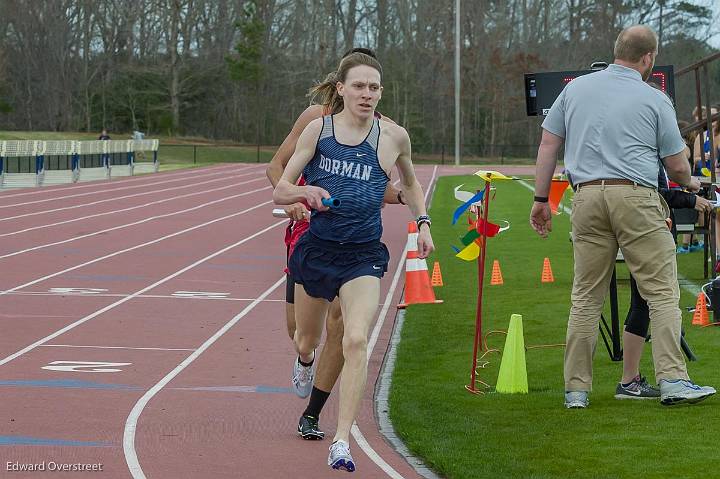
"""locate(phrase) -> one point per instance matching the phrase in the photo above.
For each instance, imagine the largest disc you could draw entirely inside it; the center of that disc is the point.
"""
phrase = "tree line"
(240, 70)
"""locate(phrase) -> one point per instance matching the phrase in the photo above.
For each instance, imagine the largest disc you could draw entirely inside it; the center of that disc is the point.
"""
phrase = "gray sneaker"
(637, 389)
(302, 378)
(679, 391)
(340, 458)
(576, 399)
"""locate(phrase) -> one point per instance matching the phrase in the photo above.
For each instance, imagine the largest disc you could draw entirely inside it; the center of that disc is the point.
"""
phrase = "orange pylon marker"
(436, 279)
(496, 277)
(700, 316)
(547, 274)
(417, 280)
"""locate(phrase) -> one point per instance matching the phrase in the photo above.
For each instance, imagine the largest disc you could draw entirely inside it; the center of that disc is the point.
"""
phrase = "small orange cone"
(700, 316)
(496, 277)
(547, 274)
(417, 280)
(436, 279)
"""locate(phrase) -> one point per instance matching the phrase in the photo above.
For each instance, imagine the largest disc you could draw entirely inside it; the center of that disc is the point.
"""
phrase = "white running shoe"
(576, 399)
(679, 391)
(340, 458)
(303, 377)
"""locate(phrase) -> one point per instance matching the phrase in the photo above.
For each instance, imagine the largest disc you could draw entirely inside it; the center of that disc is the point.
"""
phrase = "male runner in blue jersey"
(330, 359)
(347, 156)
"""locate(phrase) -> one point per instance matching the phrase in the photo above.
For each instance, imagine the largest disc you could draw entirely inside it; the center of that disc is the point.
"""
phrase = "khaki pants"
(632, 218)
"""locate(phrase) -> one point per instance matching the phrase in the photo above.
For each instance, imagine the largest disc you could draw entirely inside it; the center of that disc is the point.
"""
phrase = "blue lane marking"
(237, 267)
(39, 441)
(246, 256)
(65, 383)
(79, 384)
(273, 389)
(240, 389)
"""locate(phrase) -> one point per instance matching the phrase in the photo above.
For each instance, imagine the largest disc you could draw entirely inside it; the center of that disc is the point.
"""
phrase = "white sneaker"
(340, 458)
(303, 377)
(576, 399)
(679, 391)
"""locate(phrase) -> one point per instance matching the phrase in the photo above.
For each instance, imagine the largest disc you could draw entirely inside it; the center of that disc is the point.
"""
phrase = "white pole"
(457, 82)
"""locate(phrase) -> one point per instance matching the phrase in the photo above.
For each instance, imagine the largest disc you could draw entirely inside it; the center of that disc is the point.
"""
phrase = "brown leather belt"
(609, 181)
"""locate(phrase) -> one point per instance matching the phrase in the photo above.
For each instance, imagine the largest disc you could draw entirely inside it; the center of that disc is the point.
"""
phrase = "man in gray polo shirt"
(615, 127)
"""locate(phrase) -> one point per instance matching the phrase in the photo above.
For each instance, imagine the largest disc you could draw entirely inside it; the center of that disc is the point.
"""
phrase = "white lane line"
(131, 423)
(104, 189)
(137, 293)
(103, 185)
(132, 248)
(28, 316)
(355, 430)
(121, 295)
(115, 198)
(144, 220)
(144, 205)
(374, 456)
(112, 347)
(112, 190)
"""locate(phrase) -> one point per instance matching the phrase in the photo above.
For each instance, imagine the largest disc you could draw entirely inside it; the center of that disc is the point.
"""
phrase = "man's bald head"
(634, 42)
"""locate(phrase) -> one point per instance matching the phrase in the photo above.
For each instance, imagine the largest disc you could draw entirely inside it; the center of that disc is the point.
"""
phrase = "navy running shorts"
(289, 282)
(289, 289)
(322, 267)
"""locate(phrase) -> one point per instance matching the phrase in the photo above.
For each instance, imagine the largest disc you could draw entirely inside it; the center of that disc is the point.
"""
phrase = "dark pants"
(638, 317)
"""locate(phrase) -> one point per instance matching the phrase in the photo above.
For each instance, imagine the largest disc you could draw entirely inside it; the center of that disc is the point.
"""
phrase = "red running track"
(144, 333)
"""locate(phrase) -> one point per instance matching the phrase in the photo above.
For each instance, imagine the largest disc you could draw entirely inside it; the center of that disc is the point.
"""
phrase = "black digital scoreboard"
(541, 89)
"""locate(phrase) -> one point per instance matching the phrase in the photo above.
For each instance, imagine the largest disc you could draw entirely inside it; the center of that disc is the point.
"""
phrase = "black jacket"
(676, 199)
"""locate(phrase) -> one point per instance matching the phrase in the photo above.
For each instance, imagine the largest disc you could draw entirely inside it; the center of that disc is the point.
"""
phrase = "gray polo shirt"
(615, 126)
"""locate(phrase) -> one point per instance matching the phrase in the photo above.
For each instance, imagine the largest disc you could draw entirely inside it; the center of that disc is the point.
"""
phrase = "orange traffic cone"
(417, 281)
(496, 277)
(700, 316)
(547, 274)
(436, 279)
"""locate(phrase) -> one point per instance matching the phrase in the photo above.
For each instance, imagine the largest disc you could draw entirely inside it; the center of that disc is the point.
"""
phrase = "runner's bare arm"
(287, 192)
(392, 194)
(412, 190)
(280, 160)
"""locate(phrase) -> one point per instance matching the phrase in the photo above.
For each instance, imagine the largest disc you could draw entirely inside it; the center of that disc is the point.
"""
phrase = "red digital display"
(541, 89)
(659, 78)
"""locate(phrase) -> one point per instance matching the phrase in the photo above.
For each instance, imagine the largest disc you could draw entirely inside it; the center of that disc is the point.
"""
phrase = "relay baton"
(331, 202)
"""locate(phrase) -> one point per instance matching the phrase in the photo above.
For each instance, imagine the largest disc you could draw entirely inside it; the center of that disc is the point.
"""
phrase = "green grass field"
(461, 435)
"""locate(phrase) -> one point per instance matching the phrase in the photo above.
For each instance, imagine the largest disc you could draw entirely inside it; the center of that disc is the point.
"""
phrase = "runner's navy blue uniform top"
(343, 243)
(353, 175)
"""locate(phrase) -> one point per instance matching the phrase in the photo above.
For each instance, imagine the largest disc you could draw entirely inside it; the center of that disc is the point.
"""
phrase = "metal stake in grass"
(472, 387)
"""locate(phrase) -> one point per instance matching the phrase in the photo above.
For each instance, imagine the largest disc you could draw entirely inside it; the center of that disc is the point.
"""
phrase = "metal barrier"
(83, 160)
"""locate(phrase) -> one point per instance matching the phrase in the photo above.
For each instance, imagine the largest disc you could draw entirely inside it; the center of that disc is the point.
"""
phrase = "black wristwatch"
(541, 199)
(423, 219)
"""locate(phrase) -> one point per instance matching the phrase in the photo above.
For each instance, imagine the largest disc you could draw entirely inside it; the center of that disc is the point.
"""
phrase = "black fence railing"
(475, 153)
(27, 164)
(472, 153)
